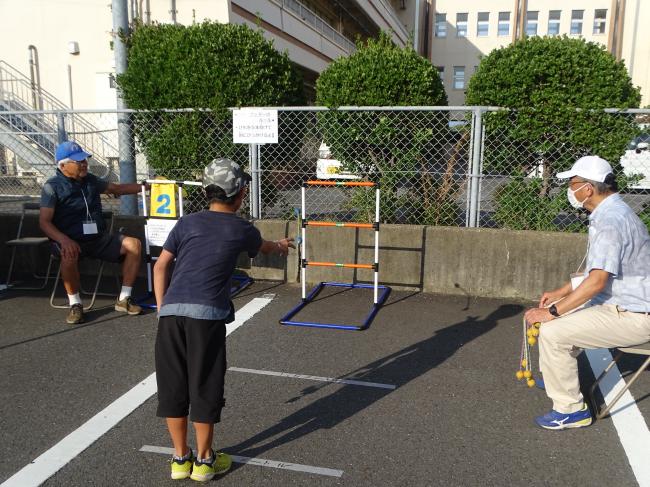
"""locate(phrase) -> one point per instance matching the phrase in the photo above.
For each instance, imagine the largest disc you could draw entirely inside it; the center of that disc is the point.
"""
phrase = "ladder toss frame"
(378, 299)
(242, 281)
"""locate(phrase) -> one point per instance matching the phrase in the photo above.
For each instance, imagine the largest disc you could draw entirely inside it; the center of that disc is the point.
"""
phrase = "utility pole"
(128, 203)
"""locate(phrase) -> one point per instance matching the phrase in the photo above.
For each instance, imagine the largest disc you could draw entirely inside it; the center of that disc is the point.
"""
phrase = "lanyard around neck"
(86, 202)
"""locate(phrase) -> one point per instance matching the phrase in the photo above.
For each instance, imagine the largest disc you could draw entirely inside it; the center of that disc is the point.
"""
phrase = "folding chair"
(643, 349)
(31, 243)
(108, 216)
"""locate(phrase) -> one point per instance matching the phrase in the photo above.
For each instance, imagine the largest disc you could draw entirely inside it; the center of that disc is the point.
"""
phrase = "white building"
(72, 38)
(465, 30)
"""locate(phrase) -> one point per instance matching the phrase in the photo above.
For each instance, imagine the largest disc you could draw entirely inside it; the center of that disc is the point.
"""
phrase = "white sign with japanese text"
(157, 230)
(254, 126)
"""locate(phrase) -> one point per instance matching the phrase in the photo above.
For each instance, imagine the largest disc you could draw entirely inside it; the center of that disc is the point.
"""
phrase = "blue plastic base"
(286, 320)
(242, 282)
(142, 301)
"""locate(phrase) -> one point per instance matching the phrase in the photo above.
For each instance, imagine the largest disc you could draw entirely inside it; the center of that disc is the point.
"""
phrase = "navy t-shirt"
(206, 246)
(68, 197)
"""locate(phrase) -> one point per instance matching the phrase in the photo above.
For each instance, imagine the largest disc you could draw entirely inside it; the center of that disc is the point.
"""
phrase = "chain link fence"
(458, 166)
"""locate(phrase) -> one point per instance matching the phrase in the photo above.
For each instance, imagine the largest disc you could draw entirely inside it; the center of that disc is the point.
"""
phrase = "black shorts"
(105, 247)
(190, 368)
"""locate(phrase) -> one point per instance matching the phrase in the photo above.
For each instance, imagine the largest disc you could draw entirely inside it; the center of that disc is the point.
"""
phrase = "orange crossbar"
(335, 224)
(334, 264)
(340, 183)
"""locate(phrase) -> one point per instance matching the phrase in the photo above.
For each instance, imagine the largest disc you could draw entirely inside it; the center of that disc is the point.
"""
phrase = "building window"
(441, 73)
(483, 24)
(554, 22)
(459, 77)
(461, 25)
(576, 21)
(441, 25)
(504, 23)
(531, 23)
(600, 16)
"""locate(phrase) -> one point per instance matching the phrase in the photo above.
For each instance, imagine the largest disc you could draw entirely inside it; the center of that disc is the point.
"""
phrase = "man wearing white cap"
(615, 289)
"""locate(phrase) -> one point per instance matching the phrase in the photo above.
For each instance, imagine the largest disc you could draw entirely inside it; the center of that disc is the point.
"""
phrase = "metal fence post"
(253, 160)
(61, 135)
(475, 177)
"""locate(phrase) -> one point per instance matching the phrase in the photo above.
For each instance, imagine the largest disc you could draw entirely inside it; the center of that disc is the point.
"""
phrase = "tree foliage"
(556, 89)
(391, 146)
(207, 65)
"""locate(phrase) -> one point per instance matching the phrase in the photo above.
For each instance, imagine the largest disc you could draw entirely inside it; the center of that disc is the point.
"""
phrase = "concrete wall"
(448, 260)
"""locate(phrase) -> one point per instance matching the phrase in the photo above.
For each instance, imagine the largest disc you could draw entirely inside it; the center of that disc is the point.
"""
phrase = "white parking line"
(628, 420)
(54, 459)
(261, 462)
(313, 377)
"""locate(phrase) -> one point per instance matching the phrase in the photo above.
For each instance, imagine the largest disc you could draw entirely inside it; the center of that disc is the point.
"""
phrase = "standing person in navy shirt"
(194, 309)
(71, 216)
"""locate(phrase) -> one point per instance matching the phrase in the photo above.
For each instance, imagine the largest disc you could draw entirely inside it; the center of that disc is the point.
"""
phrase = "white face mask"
(571, 195)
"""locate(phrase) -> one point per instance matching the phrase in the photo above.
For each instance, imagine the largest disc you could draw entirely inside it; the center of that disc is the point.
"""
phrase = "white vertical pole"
(147, 249)
(376, 243)
(180, 200)
(259, 181)
(303, 244)
(144, 202)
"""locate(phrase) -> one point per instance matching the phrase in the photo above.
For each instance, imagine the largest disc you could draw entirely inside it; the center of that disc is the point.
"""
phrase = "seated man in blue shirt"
(71, 216)
(616, 288)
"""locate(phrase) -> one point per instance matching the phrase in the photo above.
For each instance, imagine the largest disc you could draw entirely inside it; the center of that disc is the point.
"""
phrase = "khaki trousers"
(561, 341)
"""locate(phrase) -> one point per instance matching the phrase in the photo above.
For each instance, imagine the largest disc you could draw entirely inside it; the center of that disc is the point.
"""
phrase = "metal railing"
(49, 122)
(320, 25)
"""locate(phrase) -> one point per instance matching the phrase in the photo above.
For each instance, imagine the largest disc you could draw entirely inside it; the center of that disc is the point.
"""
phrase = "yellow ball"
(530, 382)
(535, 332)
(528, 374)
(537, 325)
(524, 362)
(520, 375)
(529, 332)
(532, 341)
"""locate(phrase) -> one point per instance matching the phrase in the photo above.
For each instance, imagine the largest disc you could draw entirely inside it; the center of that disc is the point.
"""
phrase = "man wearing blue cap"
(71, 216)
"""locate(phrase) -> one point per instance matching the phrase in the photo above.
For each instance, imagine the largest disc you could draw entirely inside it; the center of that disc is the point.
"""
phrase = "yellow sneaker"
(182, 468)
(204, 471)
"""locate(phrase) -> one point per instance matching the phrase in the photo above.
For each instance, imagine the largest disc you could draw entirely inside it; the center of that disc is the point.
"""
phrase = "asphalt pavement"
(425, 396)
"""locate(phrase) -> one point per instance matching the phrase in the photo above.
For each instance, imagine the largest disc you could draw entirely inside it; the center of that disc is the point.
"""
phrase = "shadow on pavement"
(399, 369)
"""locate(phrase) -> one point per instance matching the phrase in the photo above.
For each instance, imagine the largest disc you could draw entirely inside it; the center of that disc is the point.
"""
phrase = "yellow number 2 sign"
(163, 200)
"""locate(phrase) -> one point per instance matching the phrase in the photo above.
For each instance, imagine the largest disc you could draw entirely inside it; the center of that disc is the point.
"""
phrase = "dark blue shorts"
(105, 247)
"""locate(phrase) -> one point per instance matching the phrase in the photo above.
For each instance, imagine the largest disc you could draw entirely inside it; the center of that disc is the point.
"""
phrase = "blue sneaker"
(560, 421)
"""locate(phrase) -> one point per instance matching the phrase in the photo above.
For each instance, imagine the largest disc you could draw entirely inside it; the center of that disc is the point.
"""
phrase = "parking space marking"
(54, 459)
(261, 462)
(629, 422)
(313, 377)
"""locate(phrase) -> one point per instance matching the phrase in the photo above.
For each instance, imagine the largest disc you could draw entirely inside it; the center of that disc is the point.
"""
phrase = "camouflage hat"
(226, 174)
